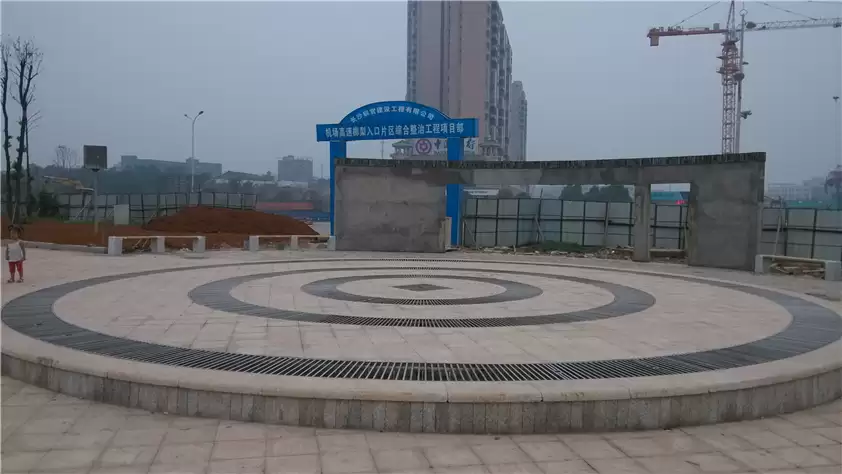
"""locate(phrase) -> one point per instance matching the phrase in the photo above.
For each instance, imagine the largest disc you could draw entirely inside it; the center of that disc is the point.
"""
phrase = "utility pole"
(838, 131)
(193, 149)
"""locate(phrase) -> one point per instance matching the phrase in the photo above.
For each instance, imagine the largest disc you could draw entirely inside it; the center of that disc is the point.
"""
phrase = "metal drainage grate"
(812, 327)
(217, 295)
(513, 291)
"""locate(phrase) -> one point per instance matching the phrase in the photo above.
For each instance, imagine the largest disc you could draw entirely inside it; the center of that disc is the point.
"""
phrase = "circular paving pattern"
(513, 291)
(812, 326)
(217, 295)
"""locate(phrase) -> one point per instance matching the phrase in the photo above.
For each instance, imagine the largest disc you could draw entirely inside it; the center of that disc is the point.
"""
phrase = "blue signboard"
(398, 120)
(438, 129)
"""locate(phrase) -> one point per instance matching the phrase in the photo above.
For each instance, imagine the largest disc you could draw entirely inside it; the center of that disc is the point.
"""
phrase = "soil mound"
(214, 220)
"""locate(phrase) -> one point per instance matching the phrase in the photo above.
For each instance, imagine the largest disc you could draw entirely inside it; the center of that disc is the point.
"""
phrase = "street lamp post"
(193, 148)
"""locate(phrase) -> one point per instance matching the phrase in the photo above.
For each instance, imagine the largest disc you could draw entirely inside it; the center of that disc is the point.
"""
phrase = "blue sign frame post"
(399, 120)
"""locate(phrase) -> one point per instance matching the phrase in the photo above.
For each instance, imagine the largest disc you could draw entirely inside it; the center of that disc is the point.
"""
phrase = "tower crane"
(731, 68)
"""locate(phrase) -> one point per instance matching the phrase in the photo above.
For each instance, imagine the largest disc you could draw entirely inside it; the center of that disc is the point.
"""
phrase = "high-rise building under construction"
(459, 60)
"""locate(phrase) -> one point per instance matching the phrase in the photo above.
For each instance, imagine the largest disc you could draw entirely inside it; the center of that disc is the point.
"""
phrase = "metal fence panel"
(799, 232)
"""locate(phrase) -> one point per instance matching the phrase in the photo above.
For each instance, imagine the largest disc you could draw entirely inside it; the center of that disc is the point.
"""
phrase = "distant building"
(789, 191)
(459, 60)
(128, 162)
(244, 178)
(213, 169)
(517, 123)
(295, 170)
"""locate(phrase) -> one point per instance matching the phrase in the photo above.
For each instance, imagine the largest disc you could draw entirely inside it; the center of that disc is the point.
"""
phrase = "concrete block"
(148, 397)
(442, 417)
(192, 403)
(744, 406)
(479, 410)
(558, 417)
(576, 416)
(329, 414)
(786, 396)
(393, 415)
(540, 418)
(115, 246)
(134, 395)
(761, 399)
(342, 419)
(366, 415)
(621, 422)
(258, 408)
(378, 416)
(428, 418)
(306, 412)
(762, 264)
(199, 244)
(416, 417)
(801, 390)
(318, 413)
(273, 410)
(182, 405)
(236, 412)
(528, 418)
(331, 243)
(492, 418)
(514, 423)
(644, 414)
(293, 243)
(833, 270)
(693, 408)
(466, 418)
(726, 406)
(247, 408)
(254, 243)
(214, 405)
(159, 244)
(827, 386)
(354, 414)
(289, 409)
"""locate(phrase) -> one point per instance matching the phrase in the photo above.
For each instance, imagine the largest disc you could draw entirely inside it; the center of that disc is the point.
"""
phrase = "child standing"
(15, 253)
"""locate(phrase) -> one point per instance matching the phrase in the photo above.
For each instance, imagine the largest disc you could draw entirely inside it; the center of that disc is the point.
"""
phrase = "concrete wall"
(724, 225)
(389, 209)
(725, 199)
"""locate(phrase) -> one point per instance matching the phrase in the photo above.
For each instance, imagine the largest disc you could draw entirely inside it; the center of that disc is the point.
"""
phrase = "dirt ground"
(223, 229)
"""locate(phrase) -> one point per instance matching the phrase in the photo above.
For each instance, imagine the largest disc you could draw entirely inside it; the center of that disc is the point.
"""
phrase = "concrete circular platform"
(463, 344)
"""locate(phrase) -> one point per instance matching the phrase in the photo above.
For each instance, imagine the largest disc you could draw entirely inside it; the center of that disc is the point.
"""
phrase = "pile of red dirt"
(215, 220)
(82, 233)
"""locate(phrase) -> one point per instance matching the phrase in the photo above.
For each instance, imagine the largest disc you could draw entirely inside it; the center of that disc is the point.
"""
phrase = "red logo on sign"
(423, 146)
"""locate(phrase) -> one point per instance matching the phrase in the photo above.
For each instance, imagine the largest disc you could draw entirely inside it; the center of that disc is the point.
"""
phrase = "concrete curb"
(52, 246)
(405, 415)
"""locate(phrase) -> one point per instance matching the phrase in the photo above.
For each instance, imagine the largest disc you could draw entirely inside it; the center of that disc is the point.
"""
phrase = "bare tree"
(27, 67)
(30, 198)
(66, 158)
(6, 55)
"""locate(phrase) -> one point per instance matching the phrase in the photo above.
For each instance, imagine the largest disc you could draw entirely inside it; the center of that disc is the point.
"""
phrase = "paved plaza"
(45, 432)
(490, 343)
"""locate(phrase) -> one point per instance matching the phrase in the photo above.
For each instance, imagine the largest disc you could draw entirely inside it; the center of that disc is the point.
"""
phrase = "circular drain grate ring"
(813, 326)
(513, 291)
(217, 295)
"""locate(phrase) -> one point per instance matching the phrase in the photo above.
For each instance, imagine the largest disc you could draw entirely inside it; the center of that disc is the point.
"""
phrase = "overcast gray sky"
(122, 74)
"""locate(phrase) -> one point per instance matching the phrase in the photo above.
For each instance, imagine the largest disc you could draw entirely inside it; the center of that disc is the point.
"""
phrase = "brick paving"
(45, 432)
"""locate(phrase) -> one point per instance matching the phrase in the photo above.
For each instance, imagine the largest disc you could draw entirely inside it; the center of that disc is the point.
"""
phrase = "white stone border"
(446, 407)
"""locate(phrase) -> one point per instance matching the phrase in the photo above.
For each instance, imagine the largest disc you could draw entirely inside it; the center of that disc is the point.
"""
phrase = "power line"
(697, 13)
(786, 10)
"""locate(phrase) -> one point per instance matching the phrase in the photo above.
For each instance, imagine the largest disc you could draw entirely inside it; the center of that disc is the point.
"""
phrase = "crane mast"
(731, 57)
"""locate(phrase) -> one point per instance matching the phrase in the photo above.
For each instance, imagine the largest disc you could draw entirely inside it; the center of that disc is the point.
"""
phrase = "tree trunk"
(7, 139)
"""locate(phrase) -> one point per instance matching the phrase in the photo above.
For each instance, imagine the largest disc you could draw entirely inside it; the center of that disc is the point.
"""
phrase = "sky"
(123, 74)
